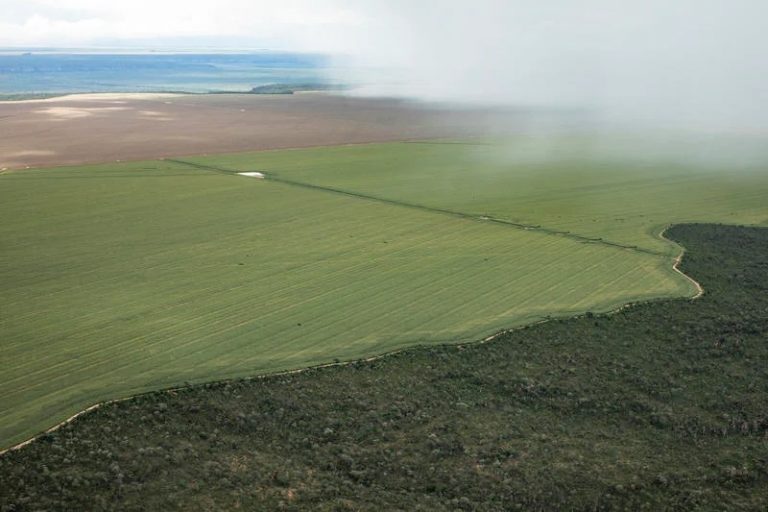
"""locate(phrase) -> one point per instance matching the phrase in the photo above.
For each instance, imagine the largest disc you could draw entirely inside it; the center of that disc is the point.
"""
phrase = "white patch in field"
(155, 115)
(105, 97)
(63, 113)
(30, 152)
(253, 174)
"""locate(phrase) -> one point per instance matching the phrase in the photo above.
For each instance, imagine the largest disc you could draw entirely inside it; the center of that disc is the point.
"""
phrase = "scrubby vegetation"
(662, 406)
(293, 88)
(28, 96)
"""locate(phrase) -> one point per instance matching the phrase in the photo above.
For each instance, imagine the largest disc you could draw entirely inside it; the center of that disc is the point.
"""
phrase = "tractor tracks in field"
(442, 211)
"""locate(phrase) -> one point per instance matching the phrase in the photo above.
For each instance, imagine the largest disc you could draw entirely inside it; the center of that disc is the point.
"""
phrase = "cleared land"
(124, 278)
(659, 407)
(616, 202)
(107, 127)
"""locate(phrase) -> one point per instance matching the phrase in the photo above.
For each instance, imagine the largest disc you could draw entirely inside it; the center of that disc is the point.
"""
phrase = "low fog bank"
(684, 80)
(543, 136)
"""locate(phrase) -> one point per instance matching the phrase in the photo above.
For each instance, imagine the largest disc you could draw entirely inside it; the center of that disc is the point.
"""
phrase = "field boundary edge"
(480, 341)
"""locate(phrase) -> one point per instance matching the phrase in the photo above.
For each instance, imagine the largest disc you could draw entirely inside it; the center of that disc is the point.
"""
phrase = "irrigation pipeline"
(442, 211)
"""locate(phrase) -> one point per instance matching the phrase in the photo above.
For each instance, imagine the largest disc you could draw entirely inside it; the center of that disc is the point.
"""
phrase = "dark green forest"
(661, 406)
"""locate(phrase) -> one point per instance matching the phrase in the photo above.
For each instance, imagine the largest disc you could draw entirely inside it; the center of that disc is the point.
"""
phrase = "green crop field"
(122, 278)
(624, 203)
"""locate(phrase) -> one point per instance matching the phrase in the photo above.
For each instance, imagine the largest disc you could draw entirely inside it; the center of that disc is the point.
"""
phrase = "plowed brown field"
(101, 128)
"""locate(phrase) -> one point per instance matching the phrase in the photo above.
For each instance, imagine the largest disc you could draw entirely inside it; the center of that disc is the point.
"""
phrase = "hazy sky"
(696, 62)
(284, 24)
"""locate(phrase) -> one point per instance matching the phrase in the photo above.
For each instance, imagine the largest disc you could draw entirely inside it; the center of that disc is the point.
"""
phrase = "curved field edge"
(485, 334)
(107, 384)
(481, 331)
(661, 406)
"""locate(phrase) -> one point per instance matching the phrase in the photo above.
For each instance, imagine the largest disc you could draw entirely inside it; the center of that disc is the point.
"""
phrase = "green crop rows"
(122, 278)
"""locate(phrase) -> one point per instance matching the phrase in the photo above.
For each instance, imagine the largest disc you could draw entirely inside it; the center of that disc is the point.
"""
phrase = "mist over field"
(697, 64)
(673, 81)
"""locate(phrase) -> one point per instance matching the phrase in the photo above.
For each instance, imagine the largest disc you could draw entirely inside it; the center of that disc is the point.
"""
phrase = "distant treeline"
(261, 89)
(292, 88)
(27, 96)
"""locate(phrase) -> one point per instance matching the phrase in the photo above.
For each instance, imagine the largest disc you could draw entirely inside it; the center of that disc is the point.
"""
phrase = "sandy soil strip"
(678, 260)
(98, 96)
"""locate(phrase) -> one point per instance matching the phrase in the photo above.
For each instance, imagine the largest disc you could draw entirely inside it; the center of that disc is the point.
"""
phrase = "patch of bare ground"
(97, 128)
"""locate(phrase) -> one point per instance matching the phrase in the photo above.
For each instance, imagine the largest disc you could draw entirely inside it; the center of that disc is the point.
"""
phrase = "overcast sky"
(283, 24)
(696, 61)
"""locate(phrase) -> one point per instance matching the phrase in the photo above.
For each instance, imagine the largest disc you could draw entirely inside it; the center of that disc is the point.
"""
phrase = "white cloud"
(90, 22)
(698, 63)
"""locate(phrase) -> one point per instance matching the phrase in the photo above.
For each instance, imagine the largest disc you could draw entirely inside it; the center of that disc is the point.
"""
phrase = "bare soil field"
(96, 128)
